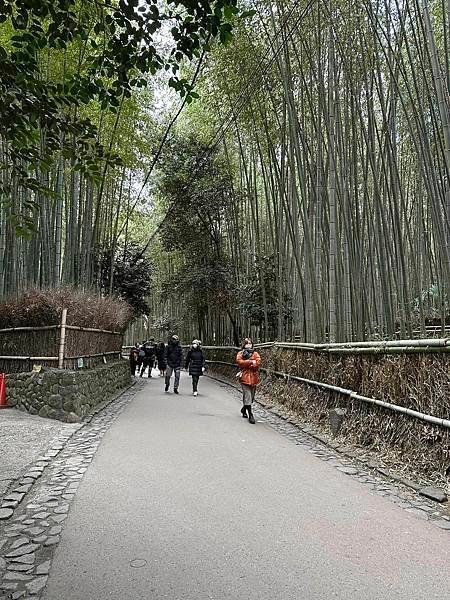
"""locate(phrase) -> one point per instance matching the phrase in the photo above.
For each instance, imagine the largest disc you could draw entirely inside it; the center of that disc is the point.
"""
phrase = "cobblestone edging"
(29, 537)
(23, 485)
(382, 485)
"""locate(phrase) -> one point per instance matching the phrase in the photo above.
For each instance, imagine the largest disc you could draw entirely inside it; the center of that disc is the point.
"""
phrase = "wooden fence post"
(62, 339)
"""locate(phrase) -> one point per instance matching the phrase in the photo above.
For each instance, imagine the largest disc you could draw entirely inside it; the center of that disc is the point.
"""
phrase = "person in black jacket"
(134, 358)
(195, 362)
(174, 358)
(149, 358)
(161, 358)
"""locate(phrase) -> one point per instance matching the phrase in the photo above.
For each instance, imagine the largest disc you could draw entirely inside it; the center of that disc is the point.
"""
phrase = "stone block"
(433, 493)
(55, 401)
(68, 406)
(67, 391)
(336, 417)
(68, 380)
(44, 411)
(72, 418)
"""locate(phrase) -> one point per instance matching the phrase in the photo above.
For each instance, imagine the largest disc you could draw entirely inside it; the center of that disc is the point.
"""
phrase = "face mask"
(195, 346)
(248, 346)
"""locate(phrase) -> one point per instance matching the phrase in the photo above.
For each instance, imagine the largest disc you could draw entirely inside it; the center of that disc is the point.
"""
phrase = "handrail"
(352, 395)
(378, 347)
(50, 327)
(49, 358)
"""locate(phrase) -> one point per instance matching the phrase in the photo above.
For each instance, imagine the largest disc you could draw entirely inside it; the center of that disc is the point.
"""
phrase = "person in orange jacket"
(249, 361)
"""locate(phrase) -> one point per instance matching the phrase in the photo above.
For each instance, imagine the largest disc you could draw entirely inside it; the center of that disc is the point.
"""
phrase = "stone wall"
(66, 395)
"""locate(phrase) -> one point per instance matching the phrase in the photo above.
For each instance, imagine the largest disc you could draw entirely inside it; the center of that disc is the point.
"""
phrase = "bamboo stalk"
(92, 355)
(49, 358)
(374, 344)
(62, 342)
(91, 329)
(43, 328)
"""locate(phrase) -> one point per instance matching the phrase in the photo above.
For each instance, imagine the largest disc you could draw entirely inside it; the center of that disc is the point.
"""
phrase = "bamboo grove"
(331, 122)
(78, 126)
(303, 193)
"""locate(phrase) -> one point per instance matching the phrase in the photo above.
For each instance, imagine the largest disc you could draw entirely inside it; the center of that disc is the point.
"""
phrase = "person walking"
(149, 358)
(174, 356)
(134, 357)
(249, 361)
(141, 356)
(195, 362)
(161, 358)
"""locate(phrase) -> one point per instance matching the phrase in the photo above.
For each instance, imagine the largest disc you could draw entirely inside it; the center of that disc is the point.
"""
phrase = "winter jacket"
(174, 356)
(150, 351)
(250, 372)
(195, 361)
(161, 357)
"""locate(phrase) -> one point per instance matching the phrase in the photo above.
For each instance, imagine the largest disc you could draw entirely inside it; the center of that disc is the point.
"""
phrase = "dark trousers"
(148, 362)
(133, 365)
(195, 379)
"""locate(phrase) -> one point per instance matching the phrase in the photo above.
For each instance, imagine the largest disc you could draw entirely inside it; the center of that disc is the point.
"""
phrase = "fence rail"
(350, 394)
(380, 347)
(59, 345)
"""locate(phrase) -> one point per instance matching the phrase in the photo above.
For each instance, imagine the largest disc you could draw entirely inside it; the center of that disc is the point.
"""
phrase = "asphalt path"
(186, 500)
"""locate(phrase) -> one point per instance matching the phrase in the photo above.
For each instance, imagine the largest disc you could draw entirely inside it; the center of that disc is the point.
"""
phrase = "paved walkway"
(186, 500)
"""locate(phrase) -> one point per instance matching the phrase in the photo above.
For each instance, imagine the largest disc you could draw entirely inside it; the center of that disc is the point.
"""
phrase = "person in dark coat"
(134, 358)
(195, 362)
(174, 357)
(149, 358)
(161, 358)
(141, 356)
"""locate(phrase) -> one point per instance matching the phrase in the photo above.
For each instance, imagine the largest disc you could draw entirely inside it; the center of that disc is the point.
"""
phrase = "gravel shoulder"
(23, 438)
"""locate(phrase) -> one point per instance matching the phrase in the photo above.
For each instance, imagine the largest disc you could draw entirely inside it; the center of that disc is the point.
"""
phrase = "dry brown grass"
(418, 381)
(85, 309)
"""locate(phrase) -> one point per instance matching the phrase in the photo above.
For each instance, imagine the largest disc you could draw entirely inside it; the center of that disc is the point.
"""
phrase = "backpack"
(141, 353)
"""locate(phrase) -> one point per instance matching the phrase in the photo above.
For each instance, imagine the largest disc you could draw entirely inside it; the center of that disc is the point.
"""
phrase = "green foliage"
(200, 281)
(131, 276)
(166, 323)
(196, 184)
(106, 52)
(431, 299)
(251, 300)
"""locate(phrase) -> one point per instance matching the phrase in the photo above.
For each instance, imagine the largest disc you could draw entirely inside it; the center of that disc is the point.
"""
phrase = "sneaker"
(166, 389)
(195, 393)
(175, 391)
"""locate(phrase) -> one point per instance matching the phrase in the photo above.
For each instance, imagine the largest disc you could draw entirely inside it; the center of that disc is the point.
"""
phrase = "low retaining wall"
(66, 395)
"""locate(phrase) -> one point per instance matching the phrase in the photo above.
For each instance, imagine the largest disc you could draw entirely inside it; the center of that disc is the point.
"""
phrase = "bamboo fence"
(63, 346)
(404, 376)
